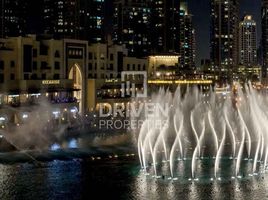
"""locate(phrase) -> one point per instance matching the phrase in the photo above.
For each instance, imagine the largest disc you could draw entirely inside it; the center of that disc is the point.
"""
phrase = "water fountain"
(206, 135)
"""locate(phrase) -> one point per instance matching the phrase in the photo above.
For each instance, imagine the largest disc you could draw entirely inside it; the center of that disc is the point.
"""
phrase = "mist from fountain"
(205, 125)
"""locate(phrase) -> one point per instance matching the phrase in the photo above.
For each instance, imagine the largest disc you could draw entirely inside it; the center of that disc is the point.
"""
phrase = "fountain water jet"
(203, 128)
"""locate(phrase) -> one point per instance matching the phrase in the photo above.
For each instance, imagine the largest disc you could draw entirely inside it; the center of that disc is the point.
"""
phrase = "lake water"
(113, 179)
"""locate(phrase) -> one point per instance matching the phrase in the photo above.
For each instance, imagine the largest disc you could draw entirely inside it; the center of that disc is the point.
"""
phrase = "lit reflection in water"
(79, 179)
(148, 187)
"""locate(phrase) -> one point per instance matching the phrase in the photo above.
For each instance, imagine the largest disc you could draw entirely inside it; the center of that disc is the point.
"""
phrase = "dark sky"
(201, 19)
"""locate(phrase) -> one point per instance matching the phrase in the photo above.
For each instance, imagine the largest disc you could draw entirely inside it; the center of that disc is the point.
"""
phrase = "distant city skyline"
(201, 20)
(198, 8)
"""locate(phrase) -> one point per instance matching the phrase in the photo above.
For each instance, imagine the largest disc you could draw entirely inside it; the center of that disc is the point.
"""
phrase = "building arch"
(75, 74)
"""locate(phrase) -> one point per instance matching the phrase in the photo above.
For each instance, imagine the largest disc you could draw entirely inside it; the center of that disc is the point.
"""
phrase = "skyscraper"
(224, 36)
(131, 26)
(248, 41)
(80, 19)
(265, 37)
(165, 26)
(187, 39)
(61, 18)
(13, 17)
(92, 14)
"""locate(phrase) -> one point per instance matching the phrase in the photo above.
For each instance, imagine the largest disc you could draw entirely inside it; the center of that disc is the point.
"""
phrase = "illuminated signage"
(111, 80)
(180, 82)
(50, 82)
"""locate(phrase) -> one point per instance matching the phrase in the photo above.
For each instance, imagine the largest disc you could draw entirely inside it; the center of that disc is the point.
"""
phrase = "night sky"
(201, 20)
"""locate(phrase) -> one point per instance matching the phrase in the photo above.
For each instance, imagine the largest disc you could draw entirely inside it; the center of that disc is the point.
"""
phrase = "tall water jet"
(231, 133)
(204, 124)
(176, 143)
(195, 132)
(213, 131)
(197, 148)
(217, 160)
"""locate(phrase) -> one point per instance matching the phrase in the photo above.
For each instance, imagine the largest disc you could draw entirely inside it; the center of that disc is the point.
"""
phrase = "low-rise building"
(69, 72)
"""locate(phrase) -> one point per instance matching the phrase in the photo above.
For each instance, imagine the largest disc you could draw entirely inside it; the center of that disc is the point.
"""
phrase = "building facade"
(13, 17)
(224, 36)
(76, 19)
(187, 40)
(61, 18)
(248, 42)
(60, 70)
(131, 20)
(264, 38)
(165, 26)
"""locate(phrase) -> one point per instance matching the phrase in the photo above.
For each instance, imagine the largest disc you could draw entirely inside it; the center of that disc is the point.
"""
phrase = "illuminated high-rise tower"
(131, 22)
(78, 19)
(224, 36)
(248, 41)
(12, 17)
(187, 39)
(165, 26)
(265, 37)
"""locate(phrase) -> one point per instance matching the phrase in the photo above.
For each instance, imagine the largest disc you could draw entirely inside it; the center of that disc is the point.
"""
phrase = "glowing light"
(180, 82)
(73, 110)
(56, 114)
(73, 144)
(25, 116)
(55, 147)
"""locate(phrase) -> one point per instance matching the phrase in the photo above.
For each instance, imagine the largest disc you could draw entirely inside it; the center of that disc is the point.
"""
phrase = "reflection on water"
(81, 179)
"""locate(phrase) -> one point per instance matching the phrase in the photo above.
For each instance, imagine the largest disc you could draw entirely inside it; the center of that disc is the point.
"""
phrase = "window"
(43, 50)
(57, 54)
(128, 67)
(144, 67)
(43, 65)
(34, 53)
(57, 65)
(56, 76)
(12, 76)
(34, 77)
(26, 76)
(95, 66)
(1, 78)
(90, 56)
(12, 63)
(34, 65)
(133, 67)
(2, 64)
(27, 58)
(89, 75)
(111, 67)
(111, 56)
(139, 67)
(89, 66)
(44, 76)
